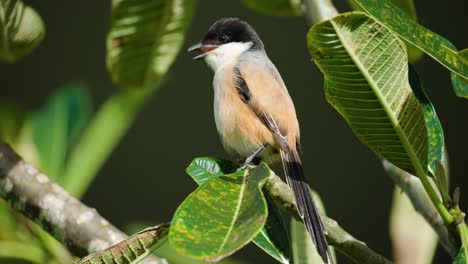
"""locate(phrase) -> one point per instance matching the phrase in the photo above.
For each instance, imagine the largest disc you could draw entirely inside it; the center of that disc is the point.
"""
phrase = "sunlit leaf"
(460, 84)
(131, 250)
(432, 44)
(221, 216)
(22, 29)
(56, 125)
(273, 238)
(144, 39)
(369, 87)
(275, 7)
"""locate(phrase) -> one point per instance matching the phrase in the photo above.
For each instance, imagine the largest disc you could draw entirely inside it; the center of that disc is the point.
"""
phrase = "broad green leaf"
(144, 39)
(22, 29)
(132, 249)
(57, 124)
(432, 44)
(461, 257)
(275, 7)
(435, 133)
(413, 239)
(221, 216)
(273, 238)
(407, 6)
(460, 84)
(366, 81)
(21, 251)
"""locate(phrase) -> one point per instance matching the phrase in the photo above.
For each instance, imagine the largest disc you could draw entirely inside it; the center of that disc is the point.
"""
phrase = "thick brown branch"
(337, 236)
(80, 228)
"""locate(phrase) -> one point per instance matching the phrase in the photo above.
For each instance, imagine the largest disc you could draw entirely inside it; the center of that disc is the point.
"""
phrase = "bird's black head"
(227, 30)
(230, 29)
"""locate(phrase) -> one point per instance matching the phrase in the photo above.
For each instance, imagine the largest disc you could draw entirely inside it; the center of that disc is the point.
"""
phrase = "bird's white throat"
(226, 53)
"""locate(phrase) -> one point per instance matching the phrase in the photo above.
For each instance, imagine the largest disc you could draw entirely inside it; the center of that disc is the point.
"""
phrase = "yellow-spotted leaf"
(431, 43)
(366, 81)
(460, 84)
(144, 39)
(221, 216)
(273, 237)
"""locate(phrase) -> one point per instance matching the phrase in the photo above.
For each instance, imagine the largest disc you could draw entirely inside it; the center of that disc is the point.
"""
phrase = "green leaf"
(144, 38)
(205, 168)
(461, 257)
(407, 6)
(435, 133)
(132, 249)
(221, 216)
(275, 7)
(273, 238)
(100, 137)
(460, 84)
(56, 125)
(21, 251)
(432, 44)
(369, 87)
(22, 29)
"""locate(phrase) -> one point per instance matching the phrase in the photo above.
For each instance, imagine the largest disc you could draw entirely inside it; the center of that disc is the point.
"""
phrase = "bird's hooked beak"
(204, 48)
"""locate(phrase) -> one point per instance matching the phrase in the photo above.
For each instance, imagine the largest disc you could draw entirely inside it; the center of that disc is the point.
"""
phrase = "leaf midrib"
(236, 213)
(393, 119)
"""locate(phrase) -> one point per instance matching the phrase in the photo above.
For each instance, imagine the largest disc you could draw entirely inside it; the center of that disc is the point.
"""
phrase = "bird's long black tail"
(305, 203)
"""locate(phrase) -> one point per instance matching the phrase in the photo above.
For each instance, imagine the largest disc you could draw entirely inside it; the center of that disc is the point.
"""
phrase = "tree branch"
(336, 236)
(412, 186)
(80, 228)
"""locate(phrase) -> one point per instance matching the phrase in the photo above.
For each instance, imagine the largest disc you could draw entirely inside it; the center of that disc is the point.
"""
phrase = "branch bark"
(80, 228)
(412, 186)
(336, 236)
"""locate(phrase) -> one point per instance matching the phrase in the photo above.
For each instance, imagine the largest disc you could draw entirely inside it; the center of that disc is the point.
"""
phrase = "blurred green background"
(144, 180)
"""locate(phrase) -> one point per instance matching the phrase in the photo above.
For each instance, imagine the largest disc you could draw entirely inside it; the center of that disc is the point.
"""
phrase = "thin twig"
(336, 236)
(80, 228)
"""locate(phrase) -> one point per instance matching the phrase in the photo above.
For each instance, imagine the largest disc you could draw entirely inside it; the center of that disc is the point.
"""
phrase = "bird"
(254, 113)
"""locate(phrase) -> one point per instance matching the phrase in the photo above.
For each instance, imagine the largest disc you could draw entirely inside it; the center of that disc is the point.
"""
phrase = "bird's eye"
(222, 38)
